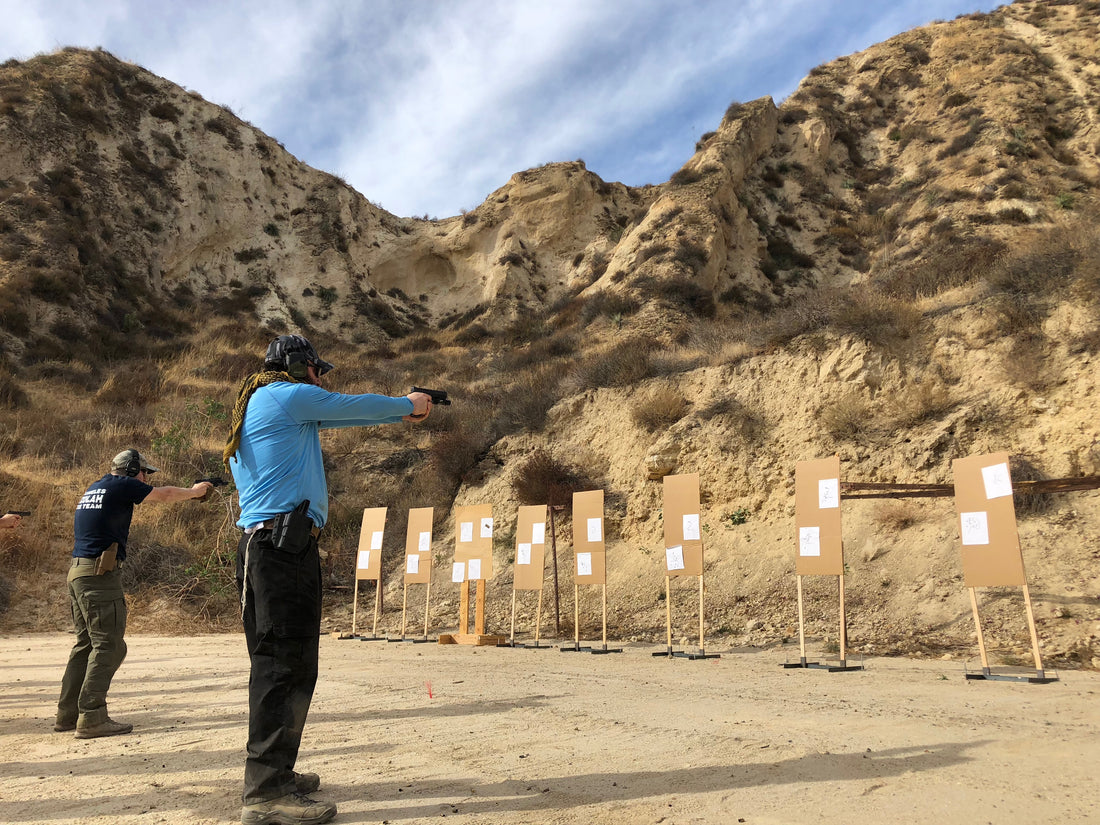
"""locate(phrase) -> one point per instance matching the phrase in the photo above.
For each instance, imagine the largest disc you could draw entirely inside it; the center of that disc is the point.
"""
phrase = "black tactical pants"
(281, 611)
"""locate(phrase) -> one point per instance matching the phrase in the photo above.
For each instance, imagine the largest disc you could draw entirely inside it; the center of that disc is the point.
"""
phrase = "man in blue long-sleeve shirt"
(274, 453)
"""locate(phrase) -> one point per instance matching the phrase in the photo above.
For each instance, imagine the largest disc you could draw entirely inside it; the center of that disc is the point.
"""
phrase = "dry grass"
(11, 394)
(746, 423)
(130, 385)
(659, 409)
(622, 365)
(918, 403)
(849, 418)
(545, 479)
(895, 516)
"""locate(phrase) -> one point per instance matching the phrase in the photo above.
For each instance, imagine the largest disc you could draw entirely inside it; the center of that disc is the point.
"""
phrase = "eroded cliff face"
(893, 266)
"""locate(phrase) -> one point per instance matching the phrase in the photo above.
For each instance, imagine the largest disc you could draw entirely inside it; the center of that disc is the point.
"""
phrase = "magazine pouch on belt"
(290, 532)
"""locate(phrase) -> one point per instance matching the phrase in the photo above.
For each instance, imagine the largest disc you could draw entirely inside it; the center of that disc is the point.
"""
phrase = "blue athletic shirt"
(104, 513)
(278, 465)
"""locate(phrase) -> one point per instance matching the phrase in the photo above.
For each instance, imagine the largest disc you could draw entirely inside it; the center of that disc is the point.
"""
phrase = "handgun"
(213, 481)
(17, 512)
(438, 396)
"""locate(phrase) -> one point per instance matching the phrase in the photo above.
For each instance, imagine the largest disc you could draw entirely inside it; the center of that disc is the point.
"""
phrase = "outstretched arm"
(172, 494)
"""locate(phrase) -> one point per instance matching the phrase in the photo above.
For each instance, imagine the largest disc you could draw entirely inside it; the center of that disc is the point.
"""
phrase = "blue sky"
(427, 106)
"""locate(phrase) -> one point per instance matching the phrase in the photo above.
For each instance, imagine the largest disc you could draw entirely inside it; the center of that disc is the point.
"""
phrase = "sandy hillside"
(520, 736)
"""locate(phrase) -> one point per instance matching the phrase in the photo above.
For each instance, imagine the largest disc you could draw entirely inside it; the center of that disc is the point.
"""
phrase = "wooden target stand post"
(991, 554)
(683, 551)
(418, 567)
(589, 563)
(368, 567)
(473, 562)
(820, 547)
(529, 566)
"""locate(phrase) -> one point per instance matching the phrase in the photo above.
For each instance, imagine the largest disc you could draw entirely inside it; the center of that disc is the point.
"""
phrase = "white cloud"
(426, 107)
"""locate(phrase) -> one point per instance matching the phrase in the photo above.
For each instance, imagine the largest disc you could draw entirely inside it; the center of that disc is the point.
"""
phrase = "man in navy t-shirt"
(101, 529)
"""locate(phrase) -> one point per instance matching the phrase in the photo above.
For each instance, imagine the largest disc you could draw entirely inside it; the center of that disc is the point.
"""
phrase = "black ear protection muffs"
(297, 365)
(133, 464)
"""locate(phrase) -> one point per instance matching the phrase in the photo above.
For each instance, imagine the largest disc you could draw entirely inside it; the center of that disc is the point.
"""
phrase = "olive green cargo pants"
(99, 619)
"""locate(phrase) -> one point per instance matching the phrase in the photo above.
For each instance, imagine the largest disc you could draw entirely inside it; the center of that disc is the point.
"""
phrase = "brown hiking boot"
(108, 727)
(292, 809)
(62, 727)
(306, 783)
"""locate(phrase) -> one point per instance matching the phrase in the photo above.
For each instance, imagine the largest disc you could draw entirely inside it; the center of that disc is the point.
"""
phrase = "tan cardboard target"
(819, 543)
(589, 549)
(368, 564)
(683, 550)
(817, 517)
(683, 537)
(473, 542)
(473, 562)
(991, 554)
(368, 558)
(418, 546)
(530, 547)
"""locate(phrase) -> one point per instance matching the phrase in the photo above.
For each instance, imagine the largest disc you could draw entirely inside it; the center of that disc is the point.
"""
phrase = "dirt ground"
(405, 733)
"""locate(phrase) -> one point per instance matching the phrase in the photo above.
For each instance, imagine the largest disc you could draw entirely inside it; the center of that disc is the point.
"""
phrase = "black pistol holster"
(290, 531)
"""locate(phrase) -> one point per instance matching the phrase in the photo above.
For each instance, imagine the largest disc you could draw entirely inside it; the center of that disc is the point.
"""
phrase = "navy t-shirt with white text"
(104, 513)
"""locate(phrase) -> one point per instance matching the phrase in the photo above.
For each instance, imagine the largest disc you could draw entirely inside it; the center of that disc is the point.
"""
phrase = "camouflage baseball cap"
(131, 462)
(279, 350)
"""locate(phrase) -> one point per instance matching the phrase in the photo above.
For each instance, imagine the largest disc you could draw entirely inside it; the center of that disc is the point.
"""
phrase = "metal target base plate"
(576, 648)
(669, 653)
(1040, 677)
(527, 645)
(843, 667)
